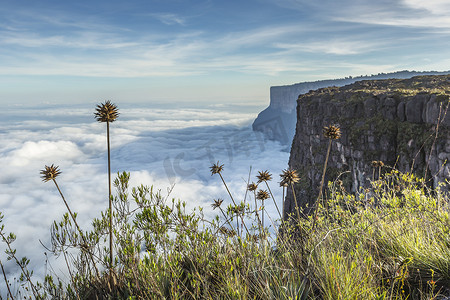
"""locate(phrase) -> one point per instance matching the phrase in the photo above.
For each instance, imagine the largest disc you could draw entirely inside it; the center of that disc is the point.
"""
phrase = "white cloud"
(398, 13)
(44, 151)
(408, 13)
(436, 7)
(338, 47)
(158, 146)
(85, 40)
(169, 18)
(21, 19)
(262, 36)
(434, 23)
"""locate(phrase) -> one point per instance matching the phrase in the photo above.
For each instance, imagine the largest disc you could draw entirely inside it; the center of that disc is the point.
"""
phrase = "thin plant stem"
(319, 199)
(6, 281)
(22, 267)
(70, 274)
(280, 236)
(282, 202)
(248, 181)
(237, 219)
(232, 199)
(76, 225)
(237, 222)
(262, 213)
(297, 209)
(271, 221)
(273, 198)
(110, 208)
(256, 212)
(225, 216)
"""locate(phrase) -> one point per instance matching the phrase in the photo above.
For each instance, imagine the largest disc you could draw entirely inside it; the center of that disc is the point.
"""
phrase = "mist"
(161, 147)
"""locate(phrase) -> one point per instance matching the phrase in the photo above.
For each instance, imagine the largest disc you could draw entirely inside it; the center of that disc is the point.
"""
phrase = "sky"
(208, 51)
(189, 77)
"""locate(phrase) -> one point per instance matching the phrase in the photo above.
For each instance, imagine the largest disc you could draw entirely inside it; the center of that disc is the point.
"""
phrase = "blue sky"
(208, 51)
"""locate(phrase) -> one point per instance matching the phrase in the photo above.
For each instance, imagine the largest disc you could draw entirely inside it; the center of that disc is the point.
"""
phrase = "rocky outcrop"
(403, 123)
(277, 121)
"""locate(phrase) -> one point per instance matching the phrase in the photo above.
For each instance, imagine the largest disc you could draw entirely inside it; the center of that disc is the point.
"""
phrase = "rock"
(370, 107)
(432, 111)
(401, 111)
(277, 121)
(275, 125)
(388, 120)
(414, 108)
(389, 110)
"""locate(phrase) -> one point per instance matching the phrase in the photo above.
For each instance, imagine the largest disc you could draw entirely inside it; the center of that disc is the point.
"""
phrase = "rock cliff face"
(277, 121)
(403, 123)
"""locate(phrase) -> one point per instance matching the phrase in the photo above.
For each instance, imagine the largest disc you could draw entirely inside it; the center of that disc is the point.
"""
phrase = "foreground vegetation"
(390, 241)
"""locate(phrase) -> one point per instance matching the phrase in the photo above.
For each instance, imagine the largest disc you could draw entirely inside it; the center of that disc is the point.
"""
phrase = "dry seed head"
(252, 187)
(289, 177)
(227, 231)
(217, 203)
(283, 184)
(264, 176)
(231, 233)
(332, 132)
(216, 168)
(50, 173)
(377, 164)
(106, 112)
(254, 237)
(262, 195)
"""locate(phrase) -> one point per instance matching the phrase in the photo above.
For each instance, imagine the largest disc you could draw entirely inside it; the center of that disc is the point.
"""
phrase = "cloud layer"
(160, 147)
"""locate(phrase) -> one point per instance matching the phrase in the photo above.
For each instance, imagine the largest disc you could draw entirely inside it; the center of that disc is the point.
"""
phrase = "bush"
(390, 242)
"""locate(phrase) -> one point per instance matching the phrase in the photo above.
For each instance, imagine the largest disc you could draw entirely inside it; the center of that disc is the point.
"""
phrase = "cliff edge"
(402, 122)
(277, 121)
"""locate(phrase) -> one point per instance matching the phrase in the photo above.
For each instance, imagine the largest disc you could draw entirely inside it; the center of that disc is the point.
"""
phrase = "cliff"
(277, 121)
(403, 123)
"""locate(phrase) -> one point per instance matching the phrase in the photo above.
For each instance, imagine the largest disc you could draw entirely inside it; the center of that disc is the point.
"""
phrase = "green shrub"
(391, 241)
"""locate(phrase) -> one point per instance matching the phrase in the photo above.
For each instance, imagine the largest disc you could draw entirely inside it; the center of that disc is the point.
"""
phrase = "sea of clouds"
(159, 146)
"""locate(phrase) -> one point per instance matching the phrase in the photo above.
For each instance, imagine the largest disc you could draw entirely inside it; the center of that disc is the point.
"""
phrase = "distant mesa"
(277, 122)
